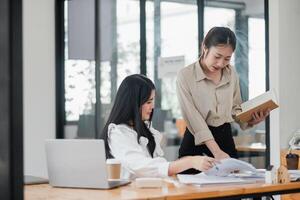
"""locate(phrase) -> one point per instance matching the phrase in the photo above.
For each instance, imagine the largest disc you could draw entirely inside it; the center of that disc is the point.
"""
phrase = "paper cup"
(113, 168)
(292, 161)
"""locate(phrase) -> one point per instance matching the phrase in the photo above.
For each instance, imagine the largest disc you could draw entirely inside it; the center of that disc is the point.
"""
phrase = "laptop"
(32, 180)
(78, 163)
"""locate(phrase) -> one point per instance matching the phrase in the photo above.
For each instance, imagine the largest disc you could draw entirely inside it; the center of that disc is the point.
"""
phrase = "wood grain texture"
(168, 191)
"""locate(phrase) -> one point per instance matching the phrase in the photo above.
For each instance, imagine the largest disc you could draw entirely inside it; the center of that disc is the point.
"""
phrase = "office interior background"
(68, 87)
(89, 73)
(112, 39)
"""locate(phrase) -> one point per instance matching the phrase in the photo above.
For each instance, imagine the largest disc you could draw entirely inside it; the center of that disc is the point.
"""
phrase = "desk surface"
(168, 191)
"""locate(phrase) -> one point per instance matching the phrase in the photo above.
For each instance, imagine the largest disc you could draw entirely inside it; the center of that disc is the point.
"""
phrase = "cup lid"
(292, 155)
(113, 161)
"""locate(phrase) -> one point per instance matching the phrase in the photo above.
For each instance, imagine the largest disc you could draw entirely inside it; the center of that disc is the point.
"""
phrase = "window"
(257, 57)
(169, 35)
(79, 66)
(119, 56)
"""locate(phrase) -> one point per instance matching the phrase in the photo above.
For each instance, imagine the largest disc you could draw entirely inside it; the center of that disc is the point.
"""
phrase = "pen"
(214, 164)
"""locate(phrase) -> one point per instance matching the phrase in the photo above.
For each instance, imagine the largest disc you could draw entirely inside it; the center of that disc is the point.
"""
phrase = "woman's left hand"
(258, 117)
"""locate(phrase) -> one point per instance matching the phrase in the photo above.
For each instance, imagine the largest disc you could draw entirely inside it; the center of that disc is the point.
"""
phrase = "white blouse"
(135, 159)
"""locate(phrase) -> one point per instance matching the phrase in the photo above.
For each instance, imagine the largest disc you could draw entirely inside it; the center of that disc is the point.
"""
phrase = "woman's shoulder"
(186, 72)
(151, 128)
(154, 131)
(119, 128)
(187, 69)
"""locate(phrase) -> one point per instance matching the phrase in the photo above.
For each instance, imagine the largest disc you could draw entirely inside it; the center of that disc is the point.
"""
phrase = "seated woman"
(130, 138)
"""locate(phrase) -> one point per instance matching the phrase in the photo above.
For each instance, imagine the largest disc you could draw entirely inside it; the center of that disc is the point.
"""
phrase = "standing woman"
(209, 95)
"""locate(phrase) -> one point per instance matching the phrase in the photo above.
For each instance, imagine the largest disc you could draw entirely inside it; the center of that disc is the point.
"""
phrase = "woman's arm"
(201, 163)
(194, 119)
(237, 101)
(124, 147)
(215, 150)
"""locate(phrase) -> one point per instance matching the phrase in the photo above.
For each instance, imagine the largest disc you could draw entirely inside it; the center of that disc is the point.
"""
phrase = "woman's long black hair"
(134, 91)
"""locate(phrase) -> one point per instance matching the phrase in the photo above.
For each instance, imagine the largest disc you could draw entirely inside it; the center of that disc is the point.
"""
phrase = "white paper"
(229, 165)
(202, 178)
(169, 66)
(294, 174)
(249, 175)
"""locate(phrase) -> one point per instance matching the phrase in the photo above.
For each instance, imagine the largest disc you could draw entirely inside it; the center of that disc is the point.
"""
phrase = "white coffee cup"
(113, 168)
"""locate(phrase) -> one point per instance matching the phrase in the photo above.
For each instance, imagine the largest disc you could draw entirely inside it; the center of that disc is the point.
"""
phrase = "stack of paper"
(202, 178)
(294, 175)
(259, 175)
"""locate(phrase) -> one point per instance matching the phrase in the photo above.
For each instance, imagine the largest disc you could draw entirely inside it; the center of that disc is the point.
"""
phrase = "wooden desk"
(168, 191)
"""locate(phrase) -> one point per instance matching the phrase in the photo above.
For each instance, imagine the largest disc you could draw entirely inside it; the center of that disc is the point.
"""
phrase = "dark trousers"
(223, 137)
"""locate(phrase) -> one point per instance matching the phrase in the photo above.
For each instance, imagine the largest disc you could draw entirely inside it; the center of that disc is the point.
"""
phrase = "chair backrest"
(86, 126)
(159, 118)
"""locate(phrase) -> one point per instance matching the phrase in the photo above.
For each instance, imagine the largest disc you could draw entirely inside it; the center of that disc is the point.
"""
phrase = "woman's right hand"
(219, 155)
(216, 150)
(202, 163)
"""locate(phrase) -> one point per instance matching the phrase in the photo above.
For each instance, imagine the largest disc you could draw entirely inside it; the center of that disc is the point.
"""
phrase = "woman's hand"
(221, 155)
(215, 149)
(203, 163)
(258, 117)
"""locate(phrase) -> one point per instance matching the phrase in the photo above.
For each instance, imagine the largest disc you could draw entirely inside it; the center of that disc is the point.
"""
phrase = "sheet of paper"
(228, 166)
(294, 174)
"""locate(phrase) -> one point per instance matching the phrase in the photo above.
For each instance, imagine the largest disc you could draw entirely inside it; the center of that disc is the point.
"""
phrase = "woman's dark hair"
(219, 36)
(134, 91)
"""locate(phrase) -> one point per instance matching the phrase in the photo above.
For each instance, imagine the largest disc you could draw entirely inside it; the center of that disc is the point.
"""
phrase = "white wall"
(289, 68)
(39, 82)
(284, 71)
(274, 80)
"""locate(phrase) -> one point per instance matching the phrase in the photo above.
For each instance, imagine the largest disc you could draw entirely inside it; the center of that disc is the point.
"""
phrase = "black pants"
(223, 137)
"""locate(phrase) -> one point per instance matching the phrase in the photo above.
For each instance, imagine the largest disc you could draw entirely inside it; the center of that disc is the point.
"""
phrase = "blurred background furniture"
(283, 153)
